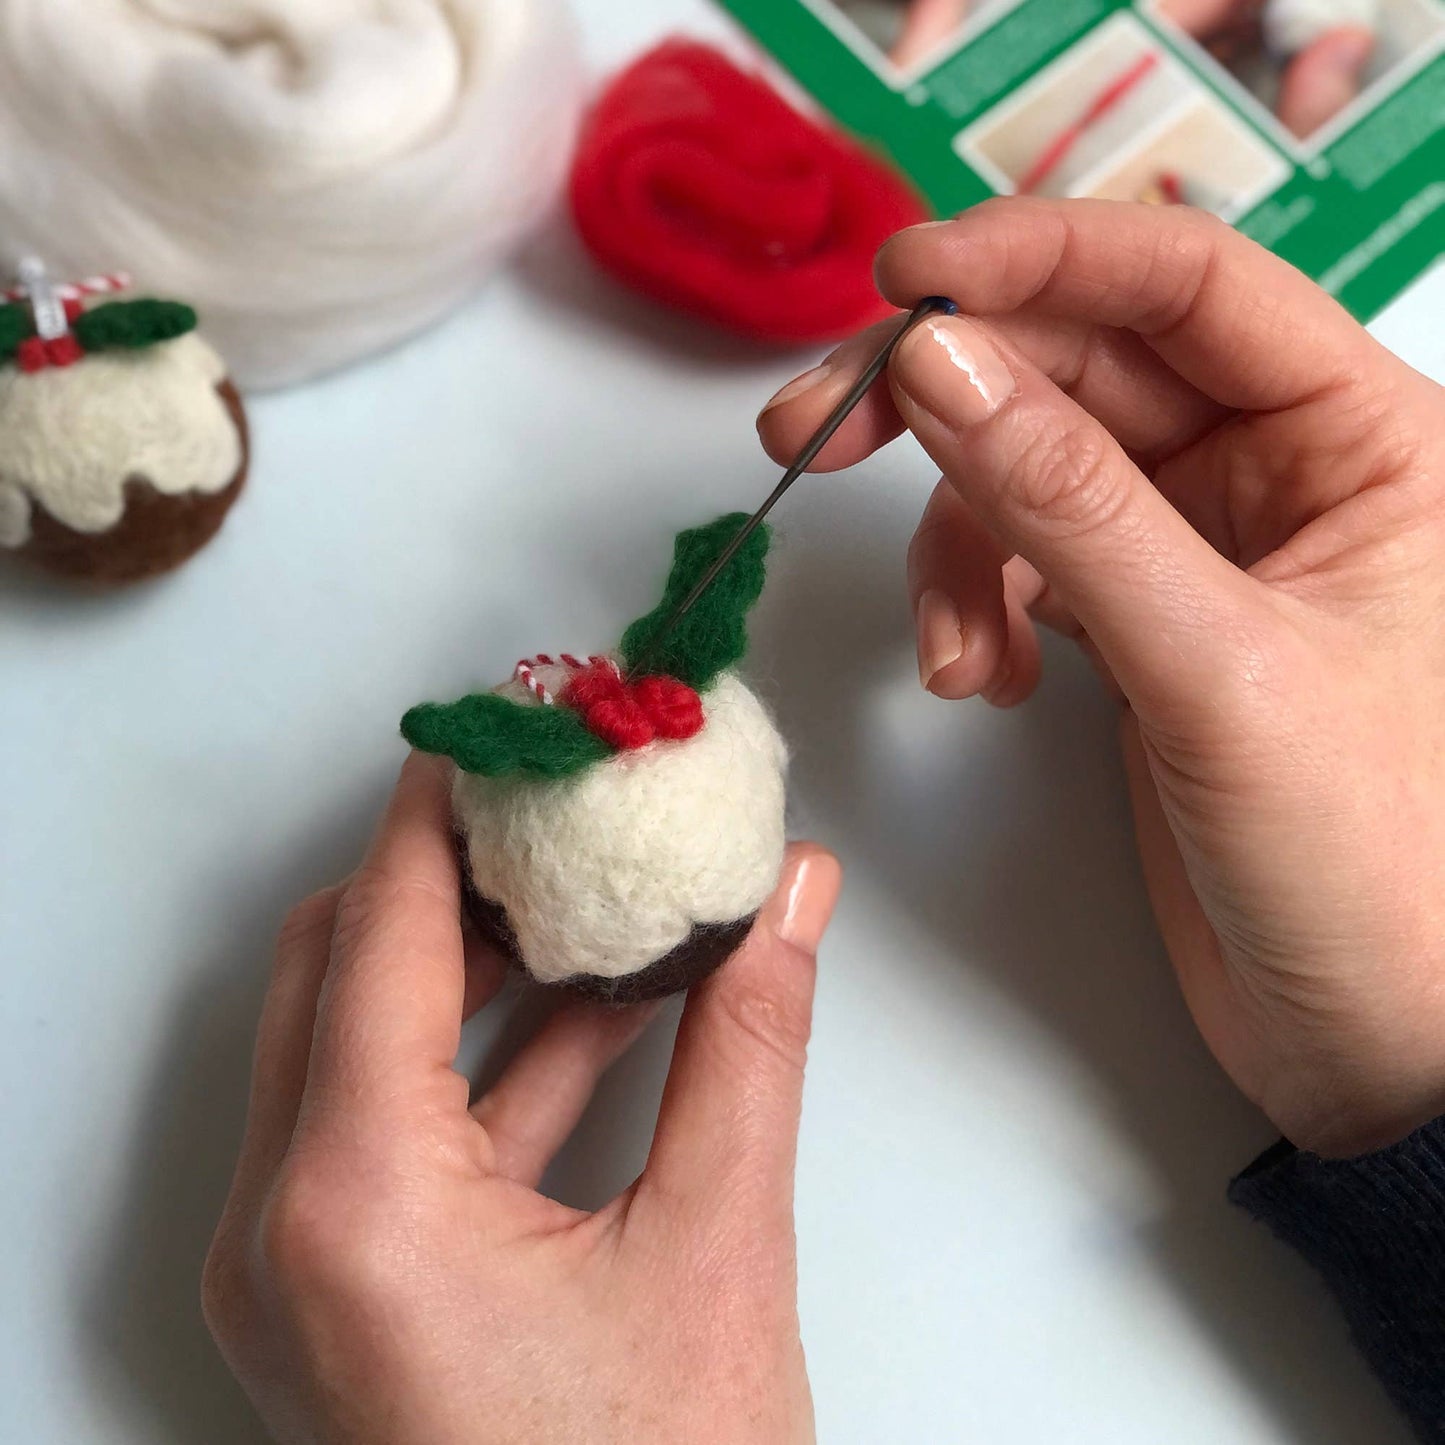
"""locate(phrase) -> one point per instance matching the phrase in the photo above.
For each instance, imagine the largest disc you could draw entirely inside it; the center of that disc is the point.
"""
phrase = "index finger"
(389, 1017)
(1236, 321)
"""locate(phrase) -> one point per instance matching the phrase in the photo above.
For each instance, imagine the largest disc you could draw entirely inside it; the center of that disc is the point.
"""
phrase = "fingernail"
(940, 635)
(808, 890)
(953, 370)
(802, 384)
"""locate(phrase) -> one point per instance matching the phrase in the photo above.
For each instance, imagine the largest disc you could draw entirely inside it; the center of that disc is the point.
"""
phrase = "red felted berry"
(619, 722)
(607, 707)
(591, 685)
(30, 355)
(698, 185)
(672, 707)
(63, 350)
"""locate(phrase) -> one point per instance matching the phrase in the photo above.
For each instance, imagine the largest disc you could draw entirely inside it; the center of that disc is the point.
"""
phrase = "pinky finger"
(958, 600)
(1017, 675)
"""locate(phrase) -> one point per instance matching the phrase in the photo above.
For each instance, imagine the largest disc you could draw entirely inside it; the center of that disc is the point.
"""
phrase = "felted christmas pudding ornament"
(122, 442)
(619, 834)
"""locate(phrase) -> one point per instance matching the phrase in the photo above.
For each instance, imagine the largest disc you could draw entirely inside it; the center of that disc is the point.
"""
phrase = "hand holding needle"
(929, 306)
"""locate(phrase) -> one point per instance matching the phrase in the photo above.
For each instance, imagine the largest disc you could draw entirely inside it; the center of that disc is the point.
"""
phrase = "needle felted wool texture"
(159, 427)
(713, 634)
(481, 735)
(133, 325)
(698, 185)
(495, 735)
(321, 178)
(620, 834)
(1293, 25)
(605, 872)
(113, 325)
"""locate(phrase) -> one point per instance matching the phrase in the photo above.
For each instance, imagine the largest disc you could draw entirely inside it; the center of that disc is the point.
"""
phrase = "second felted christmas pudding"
(123, 443)
(619, 834)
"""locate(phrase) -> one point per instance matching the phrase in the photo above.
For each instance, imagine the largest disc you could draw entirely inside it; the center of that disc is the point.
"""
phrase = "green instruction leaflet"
(1315, 126)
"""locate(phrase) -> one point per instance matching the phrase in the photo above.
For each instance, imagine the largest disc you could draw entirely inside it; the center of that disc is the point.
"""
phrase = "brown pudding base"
(155, 533)
(702, 952)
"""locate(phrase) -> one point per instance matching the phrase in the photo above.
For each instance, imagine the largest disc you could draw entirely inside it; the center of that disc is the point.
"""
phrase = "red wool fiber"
(628, 716)
(698, 185)
(672, 707)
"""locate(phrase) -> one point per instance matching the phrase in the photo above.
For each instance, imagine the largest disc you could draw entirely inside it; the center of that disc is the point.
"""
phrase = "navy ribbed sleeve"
(1374, 1227)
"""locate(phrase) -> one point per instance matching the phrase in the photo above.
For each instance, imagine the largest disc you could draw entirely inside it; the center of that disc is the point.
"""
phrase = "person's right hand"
(1172, 446)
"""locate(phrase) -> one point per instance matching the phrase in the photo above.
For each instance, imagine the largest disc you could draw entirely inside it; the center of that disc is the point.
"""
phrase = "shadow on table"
(1049, 905)
(557, 269)
(142, 1309)
(609, 1147)
(54, 604)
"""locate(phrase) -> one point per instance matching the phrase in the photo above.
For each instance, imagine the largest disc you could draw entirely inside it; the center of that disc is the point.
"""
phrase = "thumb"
(727, 1131)
(1050, 482)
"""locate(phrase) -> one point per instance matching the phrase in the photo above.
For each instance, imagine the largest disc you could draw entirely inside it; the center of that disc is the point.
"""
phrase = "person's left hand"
(385, 1269)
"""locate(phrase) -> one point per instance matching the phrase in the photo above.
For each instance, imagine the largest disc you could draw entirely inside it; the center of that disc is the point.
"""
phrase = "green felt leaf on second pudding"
(15, 326)
(132, 325)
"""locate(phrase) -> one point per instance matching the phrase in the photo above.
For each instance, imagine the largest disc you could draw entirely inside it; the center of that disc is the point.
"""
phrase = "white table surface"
(1011, 1196)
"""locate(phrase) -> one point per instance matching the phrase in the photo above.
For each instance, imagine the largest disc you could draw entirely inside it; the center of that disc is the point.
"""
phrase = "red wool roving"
(698, 185)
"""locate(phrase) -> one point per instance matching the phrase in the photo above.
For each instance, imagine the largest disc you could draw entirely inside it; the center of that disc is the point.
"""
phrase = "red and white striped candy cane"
(528, 678)
(77, 290)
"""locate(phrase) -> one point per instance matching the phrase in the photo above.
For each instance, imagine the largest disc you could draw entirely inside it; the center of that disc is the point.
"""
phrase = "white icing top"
(70, 437)
(606, 871)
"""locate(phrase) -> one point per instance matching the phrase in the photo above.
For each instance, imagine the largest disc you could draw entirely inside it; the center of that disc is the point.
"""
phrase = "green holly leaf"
(713, 635)
(131, 325)
(492, 735)
(16, 326)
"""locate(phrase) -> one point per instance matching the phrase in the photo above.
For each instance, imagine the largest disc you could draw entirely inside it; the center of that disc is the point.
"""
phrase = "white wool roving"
(609, 870)
(1292, 25)
(320, 178)
(71, 437)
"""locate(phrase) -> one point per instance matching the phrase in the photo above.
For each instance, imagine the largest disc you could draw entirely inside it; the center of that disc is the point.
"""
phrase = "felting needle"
(929, 306)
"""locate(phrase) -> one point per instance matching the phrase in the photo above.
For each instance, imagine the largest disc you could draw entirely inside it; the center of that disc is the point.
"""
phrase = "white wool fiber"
(319, 178)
